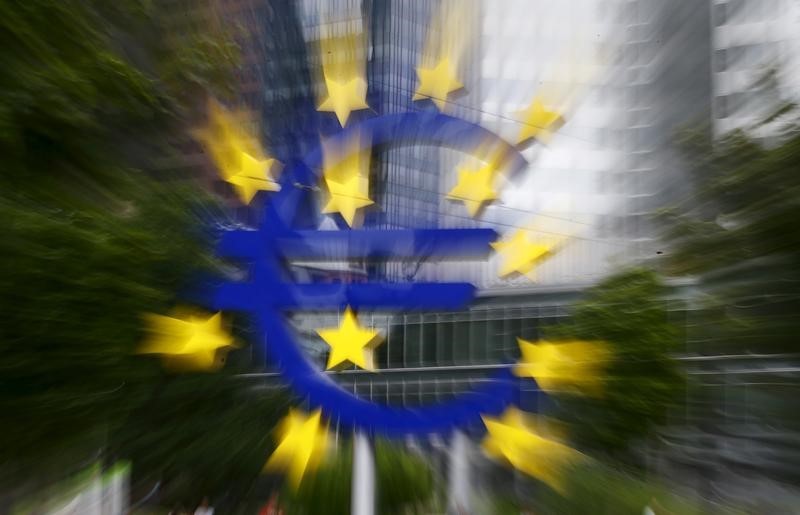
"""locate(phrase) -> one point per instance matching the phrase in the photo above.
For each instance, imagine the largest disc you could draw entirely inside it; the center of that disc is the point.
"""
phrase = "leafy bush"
(404, 481)
(641, 382)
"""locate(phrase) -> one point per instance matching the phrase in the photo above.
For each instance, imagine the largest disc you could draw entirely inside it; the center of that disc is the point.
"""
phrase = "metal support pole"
(458, 495)
(363, 489)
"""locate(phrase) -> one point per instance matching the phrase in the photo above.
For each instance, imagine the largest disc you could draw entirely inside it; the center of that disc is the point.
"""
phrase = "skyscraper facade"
(756, 59)
(627, 75)
(593, 183)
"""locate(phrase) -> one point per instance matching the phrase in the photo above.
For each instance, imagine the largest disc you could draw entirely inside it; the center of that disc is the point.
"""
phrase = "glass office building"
(405, 178)
(605, 171)
(409, 182)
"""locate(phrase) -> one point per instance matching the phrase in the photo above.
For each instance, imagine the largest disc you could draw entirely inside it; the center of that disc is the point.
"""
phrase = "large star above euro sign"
(350, 343)
(519, 254)
(302, 446)
(512, 438)
(538, 122)
(344, 97)
(192, 343)
(437, 83)
(474, 188)
(575, 365)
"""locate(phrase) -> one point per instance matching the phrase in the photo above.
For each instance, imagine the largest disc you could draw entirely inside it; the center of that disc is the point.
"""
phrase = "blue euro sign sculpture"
(280, 237)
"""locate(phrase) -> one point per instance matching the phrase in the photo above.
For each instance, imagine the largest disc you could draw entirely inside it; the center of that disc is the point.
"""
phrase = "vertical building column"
(362, 501)
(458, 487)
(91, 499)
(116, 496)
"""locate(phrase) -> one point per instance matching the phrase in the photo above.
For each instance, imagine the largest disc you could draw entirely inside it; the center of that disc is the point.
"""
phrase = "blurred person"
(205, 508)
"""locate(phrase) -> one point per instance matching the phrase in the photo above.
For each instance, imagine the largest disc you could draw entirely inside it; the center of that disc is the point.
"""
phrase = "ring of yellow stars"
(538, 122)
(193, 343)
(303, 442)
(519, 254)
(510, 438)
(436, 83)
(554, 366)
(350, 343)
(474, 188)
(344, 97)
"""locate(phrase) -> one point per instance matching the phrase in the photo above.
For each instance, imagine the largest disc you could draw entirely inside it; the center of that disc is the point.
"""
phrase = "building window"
(720, 14)
(720, 60)
(722, 107)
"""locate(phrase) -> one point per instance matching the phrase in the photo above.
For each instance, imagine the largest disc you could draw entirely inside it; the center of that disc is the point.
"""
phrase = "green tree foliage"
(75, 285)
(199, 435)
(94, 95)
(641, 380)
(404, 482)
(90, 89)
(598, 489)
(739, 233)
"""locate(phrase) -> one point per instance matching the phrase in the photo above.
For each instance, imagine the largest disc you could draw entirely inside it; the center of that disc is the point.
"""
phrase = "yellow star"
(344, 97)
(303, 442)
(538, 122)
(346, 174)
(520, 254)
(511, 439)
(564, 364)
(192, 343)
(350, 342)
(225, 140)
(347, 197)
(436, 83)
(474, 188)
(253, 177)
(237, 155)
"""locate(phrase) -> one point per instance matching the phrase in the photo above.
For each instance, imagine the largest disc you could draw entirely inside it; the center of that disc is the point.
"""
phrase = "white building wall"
(531, 47)
(750, 38)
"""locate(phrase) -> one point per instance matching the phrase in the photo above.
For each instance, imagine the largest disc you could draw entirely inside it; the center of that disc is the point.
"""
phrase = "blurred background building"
(629, 75)
(755, 56)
